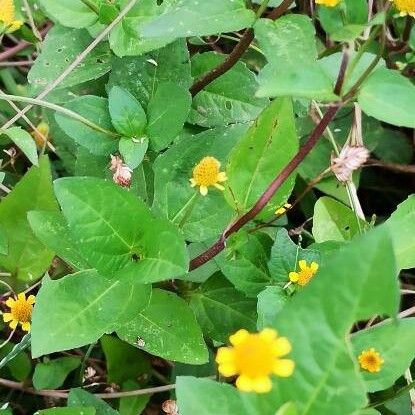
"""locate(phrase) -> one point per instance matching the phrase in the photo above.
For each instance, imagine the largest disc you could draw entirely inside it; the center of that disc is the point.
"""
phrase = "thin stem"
(79, 59)
(29, 14)
(84, 362)
(57, 108)
(186, 210)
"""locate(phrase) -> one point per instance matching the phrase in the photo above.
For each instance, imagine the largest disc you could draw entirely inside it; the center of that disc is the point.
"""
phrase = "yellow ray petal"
(284, 367)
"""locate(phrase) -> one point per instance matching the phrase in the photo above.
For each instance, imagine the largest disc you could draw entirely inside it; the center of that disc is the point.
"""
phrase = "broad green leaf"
(141, 75)
(260, 155)
(398, 355)
(147, 249)
(167, 328)
(59, 49)
(127, 114)
(389, 96)
(14, 358)
(133, 150)
(270, 302)
(66, 317)
(133, 405)
(317, 322)
(333, 221)
(193, 18)
(126, 38)
(224, 101)
(79, 397)
(25, 142)
(289, 46)
(124, 362)
(167, 111)
(27, 259)
(53, 231)
(285, 255)
(401, 228)
(172, 170)
(52, 373)
(71, 13)
(221, 310)
(80, 410)
(402, 405)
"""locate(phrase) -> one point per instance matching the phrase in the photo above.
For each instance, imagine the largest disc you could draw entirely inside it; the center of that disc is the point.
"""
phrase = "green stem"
(261, 9)
(58, 108)
(186, 210)
(84, 362)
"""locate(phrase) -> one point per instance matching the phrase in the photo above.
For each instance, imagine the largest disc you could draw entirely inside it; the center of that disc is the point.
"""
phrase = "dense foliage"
(206, 207)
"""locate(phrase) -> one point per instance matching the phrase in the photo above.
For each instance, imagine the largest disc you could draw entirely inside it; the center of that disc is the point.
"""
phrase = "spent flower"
(122, 173)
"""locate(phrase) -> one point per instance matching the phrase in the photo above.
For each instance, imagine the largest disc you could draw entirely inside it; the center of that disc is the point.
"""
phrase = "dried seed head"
(170, 407)
(349, 160)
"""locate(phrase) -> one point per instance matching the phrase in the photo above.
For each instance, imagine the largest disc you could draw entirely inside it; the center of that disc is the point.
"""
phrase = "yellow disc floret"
(20, 311)
(254, 357)
(371, 360)
(305, 274)
(405, 7)
(7, 16)
(328, 3)
(207, 173)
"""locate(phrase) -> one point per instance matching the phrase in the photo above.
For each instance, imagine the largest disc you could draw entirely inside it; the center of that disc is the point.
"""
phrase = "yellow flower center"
(255, 357)
(328, 3)
(7, 12)
(21, 310)
(371, 360)
(206, 172)
(405, 7)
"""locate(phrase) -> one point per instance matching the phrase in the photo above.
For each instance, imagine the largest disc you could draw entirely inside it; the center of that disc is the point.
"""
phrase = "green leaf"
(173, 193)
(59, 49)
(270, 302)
(141, 75)
(71, 13)
(127, 114)
(167, 110)
(167, 328)
(401, 228)
(13, 357)
(94, 109)
(52, 373)
(133, 150)
(66, 317)
(81, 410)
(333, 221)
(398, 355)
(126, 38)
(133, 405)
(25, 142)
(289, 46)
(193, 18)
(27, 259)
(389, 96)
(315, 314)
(224, 101)
(260, 155)
(78, 397)
(147, 249)
(285, 255)
(221, 310)
(53, 231)
(124, 362)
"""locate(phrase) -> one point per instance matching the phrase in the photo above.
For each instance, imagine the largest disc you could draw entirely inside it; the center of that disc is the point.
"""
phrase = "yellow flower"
(20, 311)
(405, 7)
(371, 360)
(280, 211)
(328, 3)
(305, 274)
(254, 357)
(207, 173)
(7, 16)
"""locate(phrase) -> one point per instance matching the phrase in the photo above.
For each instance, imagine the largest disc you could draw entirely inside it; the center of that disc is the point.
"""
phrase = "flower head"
(254, 357)
(7, 16)
(371, 360)
(20, 311)
(328, 3)
(305, 274)
(281, 210)
(349, 160)
(122, 173)
(405, 7)
(207, 173)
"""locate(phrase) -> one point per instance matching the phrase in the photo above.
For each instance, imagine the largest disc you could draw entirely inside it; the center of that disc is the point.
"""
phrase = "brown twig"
(236, 53)
(395, 167)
